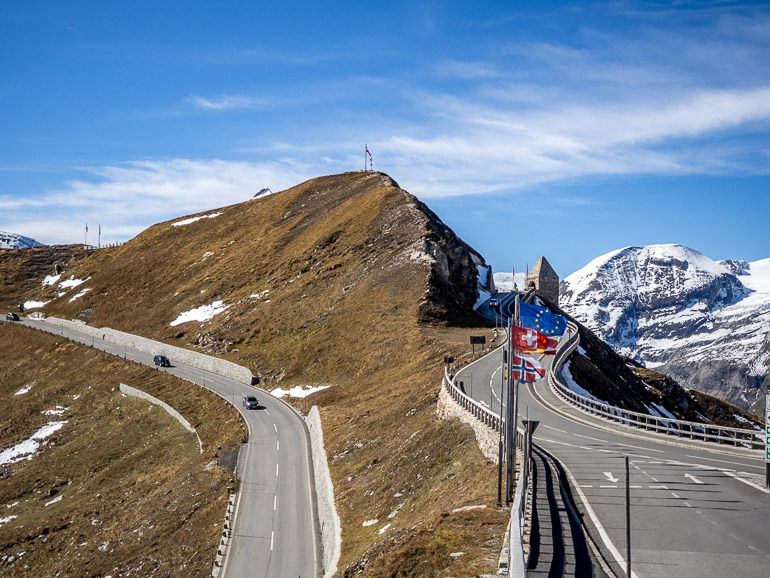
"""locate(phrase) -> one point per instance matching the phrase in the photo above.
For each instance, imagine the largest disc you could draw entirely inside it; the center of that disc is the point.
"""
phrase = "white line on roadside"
(640, 448)
(278, 445)
(726, 462)
(272, 536)
(276, 470)
(275, 503)
(275, 427)
(553, 428)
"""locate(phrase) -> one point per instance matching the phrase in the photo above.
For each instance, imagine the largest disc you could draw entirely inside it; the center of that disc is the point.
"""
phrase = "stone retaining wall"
(331, 532)
(133, 392)
(487, 439)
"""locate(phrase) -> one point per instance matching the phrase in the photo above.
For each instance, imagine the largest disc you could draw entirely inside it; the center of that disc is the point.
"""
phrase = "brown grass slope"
(345, 281)
(135, 495)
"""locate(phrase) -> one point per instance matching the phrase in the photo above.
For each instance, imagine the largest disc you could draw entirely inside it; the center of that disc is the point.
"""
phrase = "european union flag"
(541, 319)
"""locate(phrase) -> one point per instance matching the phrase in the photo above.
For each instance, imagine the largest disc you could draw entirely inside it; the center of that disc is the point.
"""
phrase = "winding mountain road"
(693, 512)
(275, 531)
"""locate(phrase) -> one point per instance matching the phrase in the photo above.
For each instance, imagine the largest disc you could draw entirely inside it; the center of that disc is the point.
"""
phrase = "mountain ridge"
(706, 323)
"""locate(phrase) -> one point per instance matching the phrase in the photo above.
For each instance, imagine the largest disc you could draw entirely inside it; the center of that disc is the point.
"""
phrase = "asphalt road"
(691, 515)
(275, 530)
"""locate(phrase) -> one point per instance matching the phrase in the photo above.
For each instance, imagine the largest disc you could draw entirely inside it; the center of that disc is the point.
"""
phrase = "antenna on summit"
(366, 152)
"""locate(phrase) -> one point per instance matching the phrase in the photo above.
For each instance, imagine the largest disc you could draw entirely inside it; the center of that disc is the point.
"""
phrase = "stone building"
(545, 280)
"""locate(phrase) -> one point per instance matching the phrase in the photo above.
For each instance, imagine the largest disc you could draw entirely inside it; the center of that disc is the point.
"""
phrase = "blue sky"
(564, 129)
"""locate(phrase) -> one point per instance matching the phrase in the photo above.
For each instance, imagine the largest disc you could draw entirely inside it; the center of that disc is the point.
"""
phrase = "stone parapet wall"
(486, 437)
(174, 353)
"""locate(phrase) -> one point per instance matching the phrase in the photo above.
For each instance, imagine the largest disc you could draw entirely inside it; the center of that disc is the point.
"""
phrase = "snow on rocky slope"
(704, 322)
(14, 241)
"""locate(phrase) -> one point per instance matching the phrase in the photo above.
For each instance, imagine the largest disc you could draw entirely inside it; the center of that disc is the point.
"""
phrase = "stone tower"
(544, 280)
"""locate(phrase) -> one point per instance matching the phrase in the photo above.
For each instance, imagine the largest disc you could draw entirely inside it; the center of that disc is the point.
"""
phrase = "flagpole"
(514, 395)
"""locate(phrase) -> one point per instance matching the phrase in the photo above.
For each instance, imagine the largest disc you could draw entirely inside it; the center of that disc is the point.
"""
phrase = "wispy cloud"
(127, 198)
(227, 102)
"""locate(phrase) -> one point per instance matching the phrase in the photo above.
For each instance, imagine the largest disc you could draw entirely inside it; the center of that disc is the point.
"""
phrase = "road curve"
(691, 515)
(276, 528)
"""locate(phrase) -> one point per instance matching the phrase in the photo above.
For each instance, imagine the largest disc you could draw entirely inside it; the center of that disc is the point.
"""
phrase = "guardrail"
(514, 560)
(680, 428)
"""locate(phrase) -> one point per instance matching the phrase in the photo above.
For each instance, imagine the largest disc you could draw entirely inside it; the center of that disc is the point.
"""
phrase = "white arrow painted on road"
(611, 478)
(693, 478)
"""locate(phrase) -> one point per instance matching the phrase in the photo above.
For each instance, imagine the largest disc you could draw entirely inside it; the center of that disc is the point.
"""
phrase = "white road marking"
(608, 487)
(640, 448)
(275, 427)
(272, 537)
(267, 412)
(278, 445)
(590, 438)
(675, 495)
(276, 470)
(659, 487)
(553, 428)
(275, 503)
(611, 478)
(726, 462)
(693, 478)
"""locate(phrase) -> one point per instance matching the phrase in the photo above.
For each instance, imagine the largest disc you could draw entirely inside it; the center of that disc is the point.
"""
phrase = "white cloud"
(227, 102)
(127, 198)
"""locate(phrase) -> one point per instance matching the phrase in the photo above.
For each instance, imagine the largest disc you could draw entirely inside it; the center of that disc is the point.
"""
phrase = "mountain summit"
(704, 322)
(14, 241)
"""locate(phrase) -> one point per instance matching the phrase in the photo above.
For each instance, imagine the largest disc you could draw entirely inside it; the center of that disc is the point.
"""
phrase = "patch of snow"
(56, 499)
(260, 294)
(58, 411)
(505, 281)
(202, 313)
(567, 376)
(35, 304)
(71, 283)
(469, 508)
(659, 411)
(457, 554)
(370, 523)
(297, 391)
(26, 450)
(51, 280)
(79, 295)
(193, 219)
(384, 529)
(24, 390)
(7, 519)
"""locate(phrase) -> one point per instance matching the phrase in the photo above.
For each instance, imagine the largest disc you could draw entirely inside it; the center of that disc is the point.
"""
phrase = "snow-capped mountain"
(14, 241)
(704, 322)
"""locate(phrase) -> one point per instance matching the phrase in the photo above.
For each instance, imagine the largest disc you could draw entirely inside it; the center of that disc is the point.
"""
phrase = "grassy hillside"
(346, 281)
(134, 494)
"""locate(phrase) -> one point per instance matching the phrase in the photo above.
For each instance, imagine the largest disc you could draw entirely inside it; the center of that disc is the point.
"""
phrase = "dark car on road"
(11, 316)
(250, 402)
(161, 360)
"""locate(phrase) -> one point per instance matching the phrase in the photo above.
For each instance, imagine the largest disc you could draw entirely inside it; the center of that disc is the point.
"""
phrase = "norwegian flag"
(527, 368)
